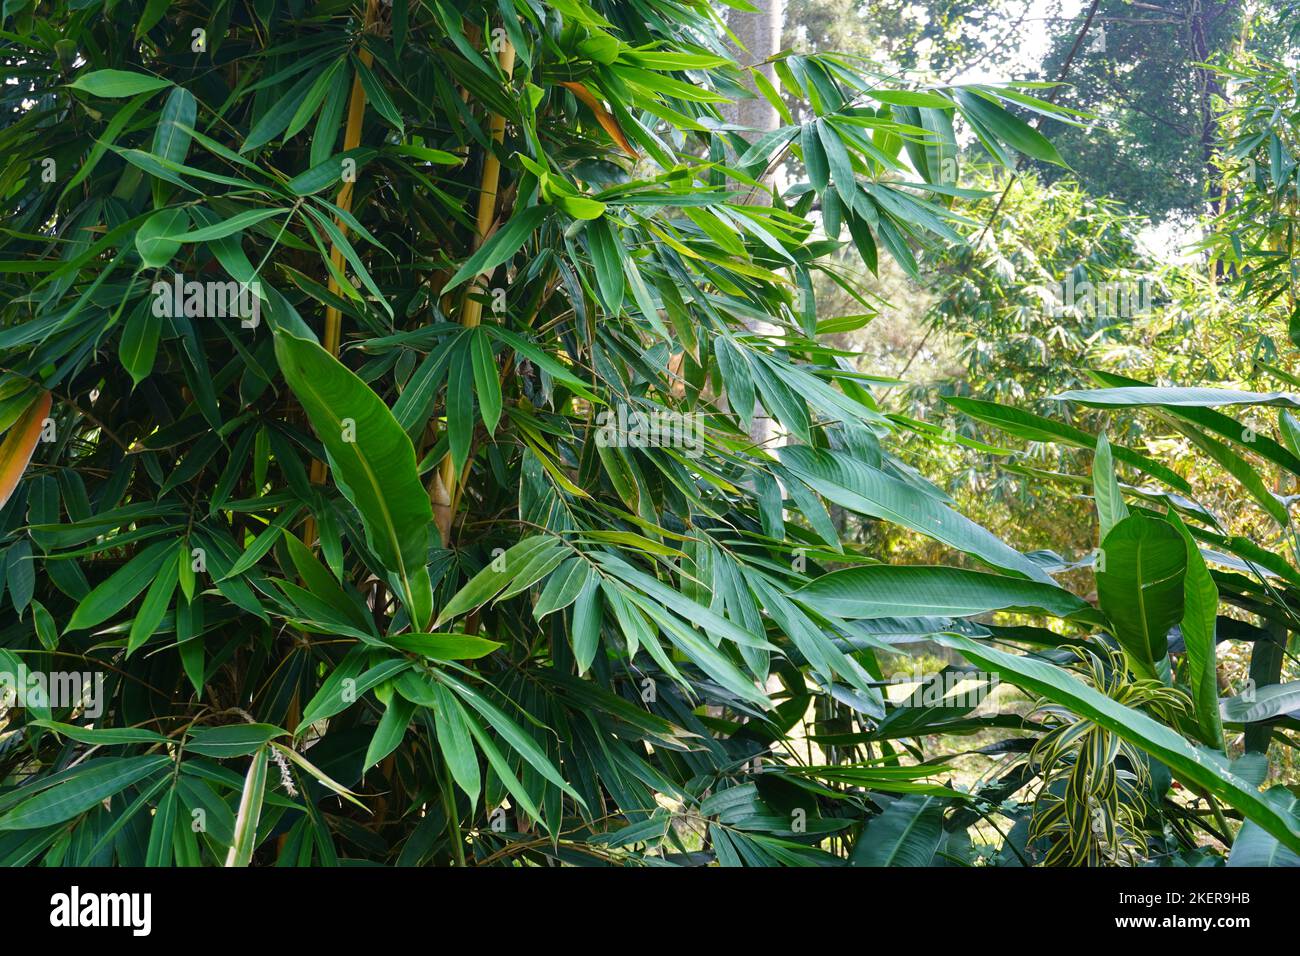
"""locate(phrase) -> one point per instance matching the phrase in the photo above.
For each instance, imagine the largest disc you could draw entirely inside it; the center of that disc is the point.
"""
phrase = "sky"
(1037, 32)
(1166, 242)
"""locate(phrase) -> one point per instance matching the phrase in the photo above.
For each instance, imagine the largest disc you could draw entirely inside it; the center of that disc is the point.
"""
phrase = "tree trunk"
(760, 36)
(1202, 23)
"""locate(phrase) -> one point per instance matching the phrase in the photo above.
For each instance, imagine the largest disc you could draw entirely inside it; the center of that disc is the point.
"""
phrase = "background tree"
(377, 384)
(1147, 76)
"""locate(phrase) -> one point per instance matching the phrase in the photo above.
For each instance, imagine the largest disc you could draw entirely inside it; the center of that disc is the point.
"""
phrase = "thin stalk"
(453, 815)
(333, 317)
(446, 484)
(1221, 820)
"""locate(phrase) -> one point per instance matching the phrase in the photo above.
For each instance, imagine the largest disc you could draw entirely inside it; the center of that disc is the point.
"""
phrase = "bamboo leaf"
(372, 460)
(505, 242)
(121, 587)
(118, 83)
(81, 790)
(250, 812)
(885, 590)
(487, 385)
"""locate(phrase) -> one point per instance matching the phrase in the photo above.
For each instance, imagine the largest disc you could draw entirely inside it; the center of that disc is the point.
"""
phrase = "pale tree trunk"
(760, 35)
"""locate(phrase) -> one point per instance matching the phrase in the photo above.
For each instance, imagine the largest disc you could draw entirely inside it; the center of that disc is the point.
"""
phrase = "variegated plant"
(378, 381)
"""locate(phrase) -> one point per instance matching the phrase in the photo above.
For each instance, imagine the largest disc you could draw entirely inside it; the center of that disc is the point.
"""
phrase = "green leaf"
(511, 733)
(607, 261)
(425, 154)
(841, 166)
(454, 739)
(262, 543)
(327, 172)
(250, 812)
(1200, 617)
(536, 568)
(1190, 764)
(329, 119)
(886, 590)
(487, 384)
(189, 637)
(232, 740)
(503, 569)
(1263, 703)
(562, 587)
(505, 242)
(312, 101)
(372, 461)
(1110, 502)
(1255, 846)
(390, 730)
(153, 240)
(1016, 421)
(814, 157)
(557, 370)
(274, 120)
(46, 630)
(579, 207)
(1011, 130)
(171, 139)
(156, 601)
(340, 241)
(228, 227)
(103, 736)
(585, 631)
(1290, 429)
(460, 405)
(112, 84)
(1176, 397)
(120, 588)
(696, 647)
(378, 96)
(185, 570)
(856, 485)
(444, 647)
(321, 583)
(138, 347)
(1218, 423)
(162, 831)
(154, 10)
(1143, 563)
(907, 833)
(81, 790)
(345, 687)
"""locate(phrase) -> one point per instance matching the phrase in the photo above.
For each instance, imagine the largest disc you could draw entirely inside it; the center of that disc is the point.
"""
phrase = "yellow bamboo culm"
(445, 492)
(351, 140)
(333, 317)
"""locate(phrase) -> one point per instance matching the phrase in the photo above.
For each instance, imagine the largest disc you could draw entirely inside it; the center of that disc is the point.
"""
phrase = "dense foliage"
(378, 388)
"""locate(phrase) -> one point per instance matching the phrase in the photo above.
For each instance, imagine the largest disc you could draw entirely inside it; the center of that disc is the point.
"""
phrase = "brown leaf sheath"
(18, 446)
(603, 116)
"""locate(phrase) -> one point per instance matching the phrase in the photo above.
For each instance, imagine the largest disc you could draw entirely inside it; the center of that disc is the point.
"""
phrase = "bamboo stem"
(446, 485)
(333, 317)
